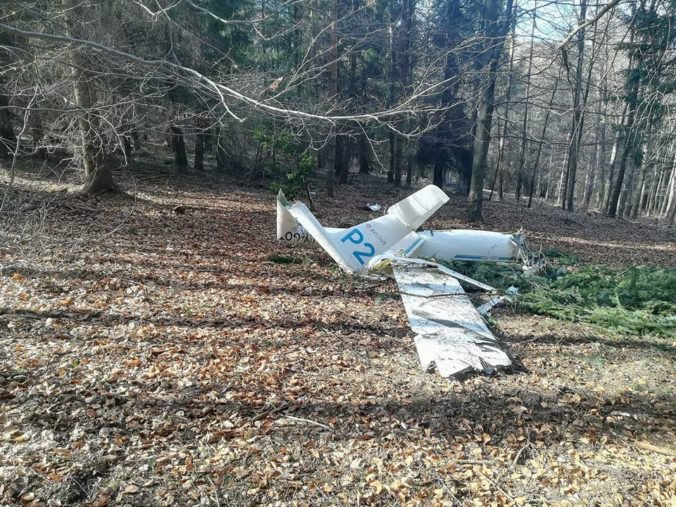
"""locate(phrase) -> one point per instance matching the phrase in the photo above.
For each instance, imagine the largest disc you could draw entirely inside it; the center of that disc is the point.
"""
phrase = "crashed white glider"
(451, 335)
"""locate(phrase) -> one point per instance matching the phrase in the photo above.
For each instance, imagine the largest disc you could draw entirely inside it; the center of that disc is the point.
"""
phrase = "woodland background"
(564, 102)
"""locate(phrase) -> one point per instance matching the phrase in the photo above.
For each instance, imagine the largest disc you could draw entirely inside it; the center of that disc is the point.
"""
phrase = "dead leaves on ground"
(164, 360)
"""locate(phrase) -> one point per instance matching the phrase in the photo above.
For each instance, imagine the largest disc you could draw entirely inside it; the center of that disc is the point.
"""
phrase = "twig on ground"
(273, 410)
(500, 489)
(647, 446)
(309, 421)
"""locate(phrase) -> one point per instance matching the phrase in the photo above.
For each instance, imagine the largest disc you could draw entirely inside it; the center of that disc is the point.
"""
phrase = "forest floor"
(149, 357)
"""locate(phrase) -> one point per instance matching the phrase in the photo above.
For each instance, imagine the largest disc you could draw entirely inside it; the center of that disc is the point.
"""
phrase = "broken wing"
(451, 334)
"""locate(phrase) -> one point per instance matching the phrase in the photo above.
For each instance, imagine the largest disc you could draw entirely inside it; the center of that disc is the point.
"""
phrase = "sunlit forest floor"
(153, 357)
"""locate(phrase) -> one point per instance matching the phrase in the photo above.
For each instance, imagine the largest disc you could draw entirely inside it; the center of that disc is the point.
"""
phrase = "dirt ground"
(149, 357)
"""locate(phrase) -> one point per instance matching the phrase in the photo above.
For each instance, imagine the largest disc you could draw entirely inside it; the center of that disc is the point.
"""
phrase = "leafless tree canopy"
(568, 103)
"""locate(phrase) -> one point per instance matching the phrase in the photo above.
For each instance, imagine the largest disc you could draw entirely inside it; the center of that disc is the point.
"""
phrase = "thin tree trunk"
(653, 203)
(549, 175)
(7, 139)
(629, 141)
(481, 144)
(524, 124)
(560, 188)
(605, 203)
(38, 134)
(518, 186)
(397, 166)
(639, 191)
(496, 32)
(199, 151)
(404, 65)
(578, 117)
(670, 207)
(333, 94)
(542, 140)
(178, 147)
(600, 150)
(590, 177)
(364, 154)
(342, 159)
(501, 186)
(625, 195)
(655, 181)
(502, 126)
(501, 144)
(410, 165)
(619, 181)
(438, 178)
(221, 156)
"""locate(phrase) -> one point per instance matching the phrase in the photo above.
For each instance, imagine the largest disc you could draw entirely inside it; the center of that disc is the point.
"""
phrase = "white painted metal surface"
(353, 248)
(466, 245)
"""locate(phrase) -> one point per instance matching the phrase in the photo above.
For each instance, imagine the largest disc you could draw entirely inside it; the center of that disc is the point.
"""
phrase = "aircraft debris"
(451, 334)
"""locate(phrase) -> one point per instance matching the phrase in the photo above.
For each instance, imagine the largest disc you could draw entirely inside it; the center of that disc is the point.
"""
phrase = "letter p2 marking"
(356, 237)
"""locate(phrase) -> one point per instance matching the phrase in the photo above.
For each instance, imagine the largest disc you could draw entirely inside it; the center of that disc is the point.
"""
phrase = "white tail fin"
(286, 224)
(353, 248)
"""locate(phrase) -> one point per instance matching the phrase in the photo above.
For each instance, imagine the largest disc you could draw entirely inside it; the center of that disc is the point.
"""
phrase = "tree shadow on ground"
(549, 418)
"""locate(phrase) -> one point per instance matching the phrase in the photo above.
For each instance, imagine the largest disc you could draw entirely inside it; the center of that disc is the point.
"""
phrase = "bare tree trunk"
(98, 177)
(560, 189)
(655, 182)
(619, 181)
(481, 144)
(600, 159)
(394, 76)
(501, 146)
(7, 139)
(333, 94)
(405, 72)
(393, 157)
(607, 191)
(342, 159)
(199, 151)
(670, 207)
(590, 177)
(578, 117)
(221, 159)
(397, 166)
(496, 33)
(502, 126)
(364, 154)
(438, 178)
(501, 186)
(410, 166)
(625, 195)
(629, 134)
(178, 147)
(548, 190)
(639, 191)
(524, 124)
(38, 134)
(541, 142)
(518, 186)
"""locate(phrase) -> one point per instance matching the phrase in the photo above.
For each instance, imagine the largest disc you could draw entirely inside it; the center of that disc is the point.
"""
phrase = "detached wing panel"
(451, 334)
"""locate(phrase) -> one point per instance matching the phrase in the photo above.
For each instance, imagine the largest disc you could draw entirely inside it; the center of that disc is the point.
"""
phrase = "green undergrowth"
(637, 301)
